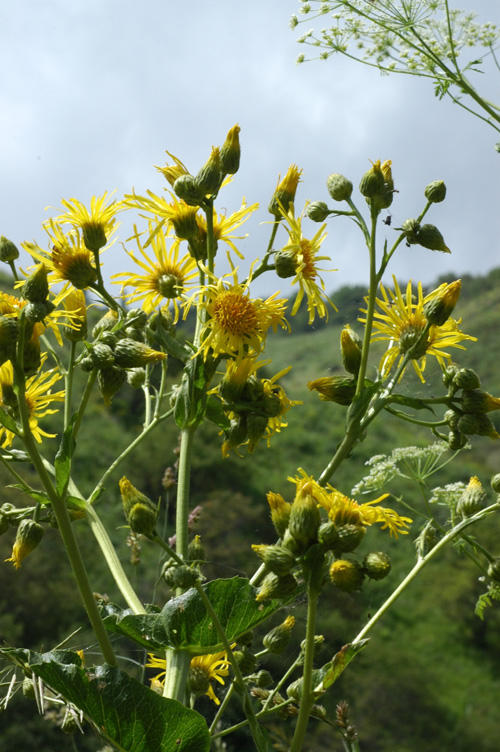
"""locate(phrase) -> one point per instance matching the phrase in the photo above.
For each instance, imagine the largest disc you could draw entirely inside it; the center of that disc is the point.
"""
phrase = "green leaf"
(190, 404)
(184, 623)
(414, 402)
(62, 462)
(168, 343)
(39, 496)
(215, 413)
(8, 422)
(324, 677)
(128, 714)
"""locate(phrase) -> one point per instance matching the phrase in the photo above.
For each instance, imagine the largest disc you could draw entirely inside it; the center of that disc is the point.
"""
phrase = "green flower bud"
(328, 536)
(473, 498)
(410, 229)
(198, 681)
(373, 182)
(271, 404)
(495, 483)
(276, 587)
(263, 679)
(196, 550)
(246, 660)
(28, 536)
(377, 565)
(256, 428)
(9, 331)
(468, 424)
(101, 356)
(278, 559)
(452, 418)
(32, 356)
(36, 287)
(438, 310)
(351, 346)
(350, 537)
(384, 200)
(185, 576)
(186, 188)
(485, 427)
(347, 575)
(494, 569)
(29, 688)
(132, 354)
(305, 519)
(318, 211)
(137, 318)
(209, 178)
(35, 312)
(276, 641)
(429, 237)
(435, 192)
(280, 512)
(230, 152)
(478, 401)
(106, 323)
(294, 690)
(456, 440)
(140, 513)
(237, 433)
(466, 378)
(8, 251)
(136, 377)
(285, 263)
(339, 187)
(246, 639)
(110, 380)
(284, 195)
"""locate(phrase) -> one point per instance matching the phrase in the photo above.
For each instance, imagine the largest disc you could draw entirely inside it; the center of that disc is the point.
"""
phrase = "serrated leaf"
(62, 461)
(330, 672)
(185, 624)
(128, 714)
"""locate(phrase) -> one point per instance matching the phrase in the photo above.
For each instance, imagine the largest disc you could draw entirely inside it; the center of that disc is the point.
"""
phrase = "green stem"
(68, 379)
(307, 700)
(421, 563)
(371, 305)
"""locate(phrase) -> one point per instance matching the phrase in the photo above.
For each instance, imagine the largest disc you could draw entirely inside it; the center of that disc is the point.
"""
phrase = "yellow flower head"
(69, 259)
(223, 226)
(172, 172)
(210, 666)
(96, 225)
(11, 307)
(401, 320)
(237, 324)
(166, 275)
(305, 261)
(307, 486)
(284, 195)
(345, 511)
(38, 397)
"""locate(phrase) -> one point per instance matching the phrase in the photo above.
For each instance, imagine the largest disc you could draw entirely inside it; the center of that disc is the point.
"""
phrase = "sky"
(93, 92)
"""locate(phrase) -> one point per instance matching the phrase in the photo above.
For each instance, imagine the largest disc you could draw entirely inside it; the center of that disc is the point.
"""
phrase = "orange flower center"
(235, 313)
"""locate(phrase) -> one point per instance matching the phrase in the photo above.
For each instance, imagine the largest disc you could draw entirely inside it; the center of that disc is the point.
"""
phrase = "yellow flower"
(69, 259)
(345, 511)
(306, 485)
(223, 226)
(210, 666)
(38, 397)
(401, 320)
(166, 275)
(237, 324)
(96, 225)
(172, 172)
(11, 306)
(305, 259)
(284, 195)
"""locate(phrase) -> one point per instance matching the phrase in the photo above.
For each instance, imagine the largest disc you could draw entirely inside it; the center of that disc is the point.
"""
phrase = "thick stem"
(307, 701)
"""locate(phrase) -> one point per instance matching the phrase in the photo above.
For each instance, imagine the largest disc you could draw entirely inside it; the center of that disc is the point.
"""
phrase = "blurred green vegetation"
(428, 681)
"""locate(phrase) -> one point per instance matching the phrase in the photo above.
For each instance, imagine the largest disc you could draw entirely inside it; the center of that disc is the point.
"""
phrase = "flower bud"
(328, 536)
(28, 688)
(32, 356)
(8, 251)
(410, 229)
(478, 401)
(246, 660)
(350, 537)
(305, 519)
(438, 309)
(276, 641)
(468, 424)
(318, 211)
(429, 237)
(9, 331)
(456, 440)
(256, 428)
(110, 380)
(495, 483)
(140, 513)
(339, 187)
(198, 680)
(435, 192)
(94, 235)
(35, 312)
(106, 323)
(339, 389)
(449, 374)
(351, 346)
(237, 433)
(384, 200)
(28, 536)
(276, 587)
(136, 377)
(196, 550)
(185, 576)
(377, 565)
(263, 679)
(485, 427)
(101, 356)
(230, 152)
(132, 354)
(184, 221)
(36, 287)
(186, 188)
(347, 575)
(284, 195)
(473, 498)
(209, 178)
(452, 418)
(494, 569)
(294, 690)
(466, 378)
(285, 263)
(278, 559)
(373, 182)
(280, 512)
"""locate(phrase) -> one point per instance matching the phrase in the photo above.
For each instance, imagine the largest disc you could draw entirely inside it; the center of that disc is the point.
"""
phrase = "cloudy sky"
(92, 93)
